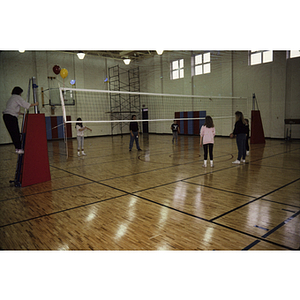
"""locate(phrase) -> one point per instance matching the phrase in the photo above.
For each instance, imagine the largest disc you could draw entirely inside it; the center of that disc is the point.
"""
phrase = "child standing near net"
(80, 136)
(240, 132)
(134, 133)
(176, 130)
(207, 134)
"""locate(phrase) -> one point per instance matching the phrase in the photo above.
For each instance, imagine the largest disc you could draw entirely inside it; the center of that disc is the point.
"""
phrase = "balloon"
(72, 81)
(56, 69)
(64, 73)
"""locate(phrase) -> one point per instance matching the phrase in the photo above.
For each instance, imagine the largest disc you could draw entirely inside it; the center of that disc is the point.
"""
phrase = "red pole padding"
(257, 130)
(35, 161)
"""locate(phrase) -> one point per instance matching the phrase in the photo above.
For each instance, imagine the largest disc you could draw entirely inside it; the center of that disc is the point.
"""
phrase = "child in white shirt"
(80, 136)
(207, 134)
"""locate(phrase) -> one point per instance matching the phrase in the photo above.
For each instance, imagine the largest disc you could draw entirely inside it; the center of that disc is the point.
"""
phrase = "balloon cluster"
(63, 72)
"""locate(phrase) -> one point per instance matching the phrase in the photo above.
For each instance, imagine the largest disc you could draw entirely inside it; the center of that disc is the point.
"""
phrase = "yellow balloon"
(63, 73)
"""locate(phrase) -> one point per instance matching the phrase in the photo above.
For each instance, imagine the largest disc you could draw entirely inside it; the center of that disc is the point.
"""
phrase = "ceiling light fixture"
(127, 61)
(81, 55)
(159, 52)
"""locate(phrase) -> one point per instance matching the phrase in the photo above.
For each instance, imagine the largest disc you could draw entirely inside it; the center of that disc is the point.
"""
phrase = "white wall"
(275, 84)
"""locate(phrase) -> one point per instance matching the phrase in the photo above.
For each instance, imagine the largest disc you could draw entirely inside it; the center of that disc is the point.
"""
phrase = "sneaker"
(78, 153)
(204, 164)
(237, 162)
(83, 153)
(211, 164)
(247, 152)
(140, 149)
(243, 161)
(19, 151)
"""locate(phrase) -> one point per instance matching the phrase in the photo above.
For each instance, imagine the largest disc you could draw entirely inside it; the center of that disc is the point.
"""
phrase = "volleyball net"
(110, 112)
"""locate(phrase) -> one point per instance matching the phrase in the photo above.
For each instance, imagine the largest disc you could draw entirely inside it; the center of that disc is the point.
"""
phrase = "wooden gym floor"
(160, 198)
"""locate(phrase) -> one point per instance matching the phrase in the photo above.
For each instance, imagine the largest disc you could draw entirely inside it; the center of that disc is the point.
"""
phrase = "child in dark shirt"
(240, 132)
(175, 129)
(247, 137)
(134, 134)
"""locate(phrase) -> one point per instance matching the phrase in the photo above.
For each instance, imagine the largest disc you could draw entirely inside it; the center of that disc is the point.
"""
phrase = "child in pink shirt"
(207, 134)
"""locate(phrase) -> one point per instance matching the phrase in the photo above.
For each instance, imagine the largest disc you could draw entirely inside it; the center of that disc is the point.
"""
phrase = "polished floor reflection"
(160, 198)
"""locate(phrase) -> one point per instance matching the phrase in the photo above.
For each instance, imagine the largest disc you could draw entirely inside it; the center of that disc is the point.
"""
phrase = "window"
(294, 53)
(177, 69)
(260, 56)
(201, 64)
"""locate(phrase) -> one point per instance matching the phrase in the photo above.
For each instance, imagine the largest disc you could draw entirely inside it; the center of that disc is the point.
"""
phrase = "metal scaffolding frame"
(123, 106)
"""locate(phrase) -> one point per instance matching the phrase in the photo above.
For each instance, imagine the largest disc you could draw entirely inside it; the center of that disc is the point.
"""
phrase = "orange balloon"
(63, 73)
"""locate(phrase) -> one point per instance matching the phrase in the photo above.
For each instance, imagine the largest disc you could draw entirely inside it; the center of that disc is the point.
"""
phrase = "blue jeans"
(241, 144)
(175, 136)
(135, 138)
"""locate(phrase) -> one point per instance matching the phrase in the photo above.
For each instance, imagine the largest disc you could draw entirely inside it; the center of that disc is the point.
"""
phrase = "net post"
(34, 87)
(64, 119)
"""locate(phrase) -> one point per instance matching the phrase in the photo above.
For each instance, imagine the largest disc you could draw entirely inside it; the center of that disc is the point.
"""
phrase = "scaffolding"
(123, 106)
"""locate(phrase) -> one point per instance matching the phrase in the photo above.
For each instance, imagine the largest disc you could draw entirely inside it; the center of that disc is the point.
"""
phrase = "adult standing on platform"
(134, 134)
(240, 131)
(11, 113)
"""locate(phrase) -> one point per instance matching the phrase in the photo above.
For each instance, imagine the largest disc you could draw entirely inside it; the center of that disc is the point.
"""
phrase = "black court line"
(251, 245)
(272, 231)
(258, 198)
(143, 198)
(144, 172)
(288, 210)
(273, 155)
(274, 167)
(254, 236)
(184, 179)
(281, 224)
(60, 211)
(48, 191)
(127, 193)
(282, 203)
(203, 219)
(212, 220)
(217, 189)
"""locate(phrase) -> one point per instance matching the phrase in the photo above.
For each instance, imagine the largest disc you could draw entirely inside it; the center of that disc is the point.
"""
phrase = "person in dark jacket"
(240, 132)
(134, 134)
(247, 137)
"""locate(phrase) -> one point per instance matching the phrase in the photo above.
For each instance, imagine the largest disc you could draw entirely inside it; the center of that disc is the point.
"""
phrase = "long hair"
(239, 116)
(17, 91)
(209, 122)
(80, 124)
